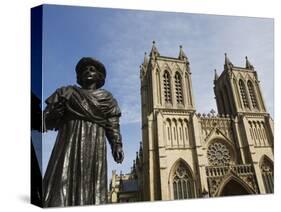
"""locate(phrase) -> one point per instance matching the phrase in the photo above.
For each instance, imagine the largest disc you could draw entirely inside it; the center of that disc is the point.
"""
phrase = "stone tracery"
(218, 154)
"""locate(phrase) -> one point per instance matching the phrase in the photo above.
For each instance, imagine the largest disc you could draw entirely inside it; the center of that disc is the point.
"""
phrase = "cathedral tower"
(238, 94)
(167, 129)
(238, 91)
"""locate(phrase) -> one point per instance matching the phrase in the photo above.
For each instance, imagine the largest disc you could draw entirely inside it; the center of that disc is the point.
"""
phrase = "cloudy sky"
(119, 39)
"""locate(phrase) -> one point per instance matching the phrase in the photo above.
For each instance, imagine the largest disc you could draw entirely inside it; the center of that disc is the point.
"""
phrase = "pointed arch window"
(178, 87)
(183, 184)
(169, 133)
(167, 87)
(267, 175)
(243, 94)
(252, 94)
(185, 133)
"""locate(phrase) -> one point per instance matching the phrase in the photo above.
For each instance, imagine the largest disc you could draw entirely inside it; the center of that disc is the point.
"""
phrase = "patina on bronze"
(84, 117)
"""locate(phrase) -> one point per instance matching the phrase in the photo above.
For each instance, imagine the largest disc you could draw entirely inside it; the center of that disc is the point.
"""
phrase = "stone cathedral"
(185, 154)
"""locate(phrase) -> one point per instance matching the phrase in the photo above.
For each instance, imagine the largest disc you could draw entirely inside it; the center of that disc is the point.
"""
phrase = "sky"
(119, 39)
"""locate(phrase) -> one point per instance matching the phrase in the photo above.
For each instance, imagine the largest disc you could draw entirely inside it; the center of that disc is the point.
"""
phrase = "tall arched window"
(267, 174)
(180, 125)
(243, 94)
(175, 133)
(183, 184)
(167, 87)
(252, 94)
(178, 86)
(169, 133)
(180, 133)
(158, 86)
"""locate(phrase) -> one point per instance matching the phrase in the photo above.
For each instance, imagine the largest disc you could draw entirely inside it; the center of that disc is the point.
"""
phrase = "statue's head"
(89, 71)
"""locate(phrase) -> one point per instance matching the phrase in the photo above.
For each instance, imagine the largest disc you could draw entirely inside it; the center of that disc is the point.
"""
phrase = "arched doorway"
(232, 186)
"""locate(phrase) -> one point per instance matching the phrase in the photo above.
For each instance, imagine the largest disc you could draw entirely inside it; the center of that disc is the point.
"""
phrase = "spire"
(227, 63)
(134, 164)
(213, 112)
(182, 55)
(121, 181)
(145, 60)
(154, 51)
(140, 149)
(216, 75)
(143, 66)
(248, 64)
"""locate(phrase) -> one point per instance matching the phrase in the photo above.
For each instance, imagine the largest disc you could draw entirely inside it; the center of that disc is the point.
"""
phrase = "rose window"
(218, 154)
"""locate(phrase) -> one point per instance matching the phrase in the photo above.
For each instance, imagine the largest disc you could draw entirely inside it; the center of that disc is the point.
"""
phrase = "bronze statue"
(84, 116)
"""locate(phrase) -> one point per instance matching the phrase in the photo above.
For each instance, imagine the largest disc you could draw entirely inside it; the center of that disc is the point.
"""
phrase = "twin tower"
(188, 155)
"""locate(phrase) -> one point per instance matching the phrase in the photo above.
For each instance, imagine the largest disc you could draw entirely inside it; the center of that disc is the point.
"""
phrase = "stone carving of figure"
(84, 116)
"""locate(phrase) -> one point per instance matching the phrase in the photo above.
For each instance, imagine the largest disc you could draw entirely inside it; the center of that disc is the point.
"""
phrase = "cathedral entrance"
(233, 187)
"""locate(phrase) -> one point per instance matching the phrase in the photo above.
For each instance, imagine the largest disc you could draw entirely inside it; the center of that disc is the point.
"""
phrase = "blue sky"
(119, 39)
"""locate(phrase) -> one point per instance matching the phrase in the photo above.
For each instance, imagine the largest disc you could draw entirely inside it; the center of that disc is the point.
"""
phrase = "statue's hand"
(57, 110)
(117, 153)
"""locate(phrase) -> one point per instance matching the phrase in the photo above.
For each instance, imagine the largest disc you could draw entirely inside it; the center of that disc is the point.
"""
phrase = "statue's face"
(89, 76)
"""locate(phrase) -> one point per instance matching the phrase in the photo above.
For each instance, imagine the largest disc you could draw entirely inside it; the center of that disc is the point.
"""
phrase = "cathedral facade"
(185, 154)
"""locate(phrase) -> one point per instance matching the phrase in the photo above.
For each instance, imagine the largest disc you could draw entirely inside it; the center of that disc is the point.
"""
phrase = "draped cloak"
(77, 169)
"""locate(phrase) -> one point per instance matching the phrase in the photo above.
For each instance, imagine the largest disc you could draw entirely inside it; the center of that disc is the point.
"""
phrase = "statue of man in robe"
(84, 116)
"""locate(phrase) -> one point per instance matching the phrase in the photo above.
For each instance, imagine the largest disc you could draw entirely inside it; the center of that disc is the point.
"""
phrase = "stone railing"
(218, 171)
(217, 174)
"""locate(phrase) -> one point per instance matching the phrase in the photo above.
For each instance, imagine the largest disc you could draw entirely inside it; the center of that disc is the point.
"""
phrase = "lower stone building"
(185, 154)
(124, 188)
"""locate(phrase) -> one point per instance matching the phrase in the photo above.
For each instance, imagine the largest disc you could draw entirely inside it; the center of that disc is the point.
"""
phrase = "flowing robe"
(77, 169)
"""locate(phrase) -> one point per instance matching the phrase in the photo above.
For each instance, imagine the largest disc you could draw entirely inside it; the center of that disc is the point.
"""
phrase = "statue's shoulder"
(103, 93)
(62, 92)
(108, 103)
(65, 89)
